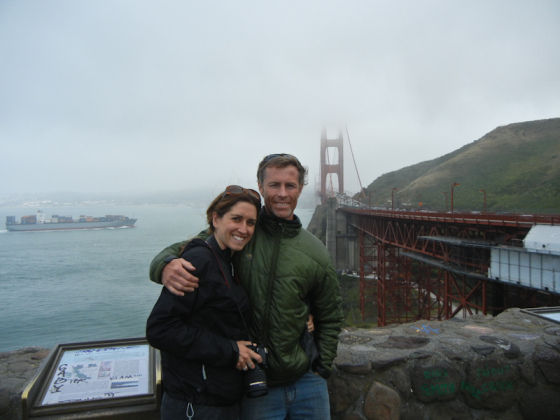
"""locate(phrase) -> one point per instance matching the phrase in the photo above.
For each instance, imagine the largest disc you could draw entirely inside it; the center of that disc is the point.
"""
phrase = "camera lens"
(255, 383)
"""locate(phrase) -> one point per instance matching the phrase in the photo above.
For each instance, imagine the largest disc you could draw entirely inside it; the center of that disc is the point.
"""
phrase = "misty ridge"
(195, 197)
(82, 198)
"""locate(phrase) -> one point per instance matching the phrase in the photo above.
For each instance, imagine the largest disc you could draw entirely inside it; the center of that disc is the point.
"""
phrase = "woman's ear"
(215, 220)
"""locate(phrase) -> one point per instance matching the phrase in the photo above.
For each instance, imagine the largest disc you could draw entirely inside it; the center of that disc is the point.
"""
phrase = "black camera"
(255, 379)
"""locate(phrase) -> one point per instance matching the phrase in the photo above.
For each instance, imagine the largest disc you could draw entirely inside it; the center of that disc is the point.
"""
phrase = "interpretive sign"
(551, 313)
(123, 374)
(97, 373)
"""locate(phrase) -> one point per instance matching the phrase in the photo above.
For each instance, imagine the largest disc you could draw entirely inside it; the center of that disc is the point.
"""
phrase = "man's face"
(281, 190)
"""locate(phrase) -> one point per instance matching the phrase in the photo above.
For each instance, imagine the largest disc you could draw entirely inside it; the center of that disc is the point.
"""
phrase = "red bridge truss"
(417, 265)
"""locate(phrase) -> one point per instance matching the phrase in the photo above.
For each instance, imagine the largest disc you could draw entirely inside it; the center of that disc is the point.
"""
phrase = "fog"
(141, 96)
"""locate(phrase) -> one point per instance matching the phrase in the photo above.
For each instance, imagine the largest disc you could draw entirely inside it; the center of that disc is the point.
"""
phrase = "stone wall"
(502, 368)
(16, 368)
(507, 367)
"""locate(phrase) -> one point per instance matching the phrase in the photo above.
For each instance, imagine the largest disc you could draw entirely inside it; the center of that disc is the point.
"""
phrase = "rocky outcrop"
(502, 368)
(507, 367)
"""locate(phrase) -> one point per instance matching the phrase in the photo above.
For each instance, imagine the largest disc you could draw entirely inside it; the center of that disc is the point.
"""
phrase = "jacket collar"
(272, 224)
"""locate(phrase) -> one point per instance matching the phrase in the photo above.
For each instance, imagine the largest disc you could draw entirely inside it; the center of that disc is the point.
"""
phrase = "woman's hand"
(247, 357)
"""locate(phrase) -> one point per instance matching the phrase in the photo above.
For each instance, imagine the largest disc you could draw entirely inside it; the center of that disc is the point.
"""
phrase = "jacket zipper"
(271, 278)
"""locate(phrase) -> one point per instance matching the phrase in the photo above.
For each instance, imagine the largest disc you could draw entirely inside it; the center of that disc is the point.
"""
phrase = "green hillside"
(518, 166)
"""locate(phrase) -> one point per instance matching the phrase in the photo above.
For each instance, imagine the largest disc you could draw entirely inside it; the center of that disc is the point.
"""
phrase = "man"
(287, 273)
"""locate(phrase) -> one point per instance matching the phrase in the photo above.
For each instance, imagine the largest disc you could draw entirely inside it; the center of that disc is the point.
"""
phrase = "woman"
(203, 336)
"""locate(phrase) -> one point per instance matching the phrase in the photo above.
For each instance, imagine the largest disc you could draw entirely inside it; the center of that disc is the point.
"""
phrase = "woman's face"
(236, 227)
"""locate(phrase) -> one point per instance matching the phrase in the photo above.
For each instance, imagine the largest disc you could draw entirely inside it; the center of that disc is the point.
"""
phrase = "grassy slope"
(518, 165)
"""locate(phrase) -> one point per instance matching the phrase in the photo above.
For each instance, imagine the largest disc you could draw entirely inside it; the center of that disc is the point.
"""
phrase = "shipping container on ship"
(57, 222)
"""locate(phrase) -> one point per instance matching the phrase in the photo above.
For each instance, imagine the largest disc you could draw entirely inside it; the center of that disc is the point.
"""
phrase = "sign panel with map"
(109, 378)
(98, 373)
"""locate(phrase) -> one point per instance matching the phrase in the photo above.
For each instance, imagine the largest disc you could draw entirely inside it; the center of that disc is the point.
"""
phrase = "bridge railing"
(482, 218)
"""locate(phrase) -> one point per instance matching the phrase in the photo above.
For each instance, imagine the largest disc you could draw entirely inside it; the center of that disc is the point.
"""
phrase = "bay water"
(84, 285)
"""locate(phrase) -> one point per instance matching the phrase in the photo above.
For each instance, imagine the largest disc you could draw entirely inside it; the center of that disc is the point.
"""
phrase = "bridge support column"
(341, 239)
(331, 229)
(368, 275)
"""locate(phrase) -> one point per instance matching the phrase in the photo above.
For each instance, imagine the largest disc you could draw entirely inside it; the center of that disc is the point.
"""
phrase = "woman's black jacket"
(197, 333)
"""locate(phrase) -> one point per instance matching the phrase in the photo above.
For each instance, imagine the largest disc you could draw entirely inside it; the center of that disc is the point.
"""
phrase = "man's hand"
(176, 277)
(247, 357)
(310, 324)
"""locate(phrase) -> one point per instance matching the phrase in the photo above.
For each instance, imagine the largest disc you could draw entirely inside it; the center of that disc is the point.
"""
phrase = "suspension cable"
(355, 166)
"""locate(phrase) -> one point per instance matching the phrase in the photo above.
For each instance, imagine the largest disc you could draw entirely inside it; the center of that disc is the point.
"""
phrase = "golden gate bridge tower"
(328, 168)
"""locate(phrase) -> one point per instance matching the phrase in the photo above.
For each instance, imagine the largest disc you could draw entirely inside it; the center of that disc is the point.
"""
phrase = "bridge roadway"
(433, 265)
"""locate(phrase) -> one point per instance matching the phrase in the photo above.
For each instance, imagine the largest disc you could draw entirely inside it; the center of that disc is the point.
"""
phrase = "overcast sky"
(130, 96)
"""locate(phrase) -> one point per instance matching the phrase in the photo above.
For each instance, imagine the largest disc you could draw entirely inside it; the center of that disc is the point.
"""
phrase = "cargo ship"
(56, 222)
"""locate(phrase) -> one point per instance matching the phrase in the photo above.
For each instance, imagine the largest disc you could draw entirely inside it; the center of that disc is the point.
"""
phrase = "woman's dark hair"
(229, 198)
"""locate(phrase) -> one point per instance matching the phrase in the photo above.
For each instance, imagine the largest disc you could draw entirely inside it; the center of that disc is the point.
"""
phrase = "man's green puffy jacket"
(287, 273)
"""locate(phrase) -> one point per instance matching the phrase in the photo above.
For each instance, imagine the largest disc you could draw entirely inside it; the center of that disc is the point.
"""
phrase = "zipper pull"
(190, 411)
(203, 372)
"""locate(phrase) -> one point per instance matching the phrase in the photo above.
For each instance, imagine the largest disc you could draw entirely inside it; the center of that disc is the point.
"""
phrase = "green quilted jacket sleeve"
(156, 267)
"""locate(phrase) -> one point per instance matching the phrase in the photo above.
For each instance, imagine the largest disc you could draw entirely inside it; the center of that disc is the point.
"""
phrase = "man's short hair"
(282, 160)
